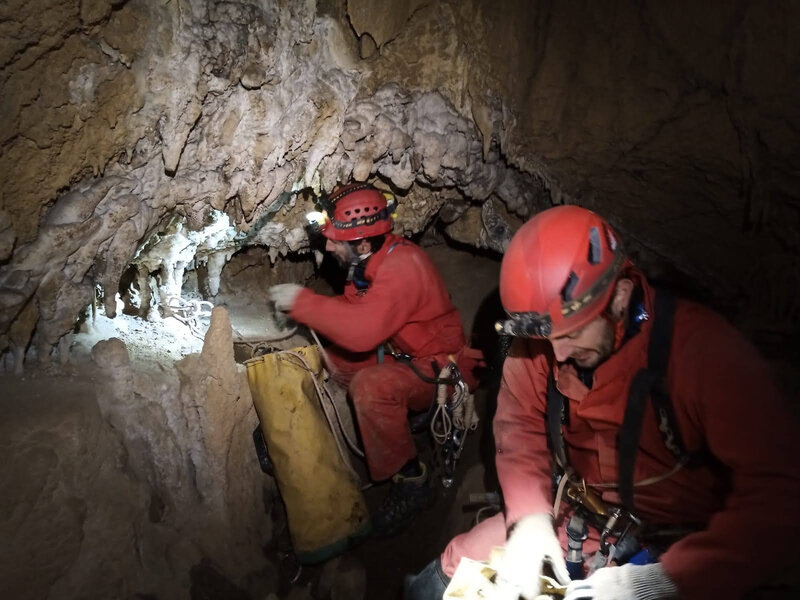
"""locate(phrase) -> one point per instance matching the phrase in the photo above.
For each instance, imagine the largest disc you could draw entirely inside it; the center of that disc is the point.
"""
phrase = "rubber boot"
(428, 584)
(408, 496)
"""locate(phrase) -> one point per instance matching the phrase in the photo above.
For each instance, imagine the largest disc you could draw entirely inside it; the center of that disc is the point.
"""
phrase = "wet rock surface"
(134, 478)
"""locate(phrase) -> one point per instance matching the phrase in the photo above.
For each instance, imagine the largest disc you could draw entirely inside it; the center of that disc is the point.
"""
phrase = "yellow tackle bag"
(325, 507)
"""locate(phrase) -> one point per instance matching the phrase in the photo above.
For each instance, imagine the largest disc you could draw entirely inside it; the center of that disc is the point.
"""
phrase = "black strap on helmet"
(329, 204)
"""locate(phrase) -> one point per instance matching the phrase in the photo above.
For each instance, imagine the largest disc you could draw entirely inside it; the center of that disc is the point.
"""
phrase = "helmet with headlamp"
(359, 211)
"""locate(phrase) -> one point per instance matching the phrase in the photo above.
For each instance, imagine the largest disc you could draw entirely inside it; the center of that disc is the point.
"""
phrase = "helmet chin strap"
(356, 267)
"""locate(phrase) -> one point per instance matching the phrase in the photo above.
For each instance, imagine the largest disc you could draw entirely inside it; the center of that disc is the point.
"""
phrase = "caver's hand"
(283, 295)
(628, 582)
(532, 542)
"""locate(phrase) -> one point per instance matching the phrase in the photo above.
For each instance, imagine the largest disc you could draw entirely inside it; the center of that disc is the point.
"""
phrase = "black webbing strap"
(650, 381)
(629, 433)
(557, 409)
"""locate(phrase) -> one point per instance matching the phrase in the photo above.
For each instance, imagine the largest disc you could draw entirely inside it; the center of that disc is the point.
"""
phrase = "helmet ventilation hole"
(569, 287)
(595, 248)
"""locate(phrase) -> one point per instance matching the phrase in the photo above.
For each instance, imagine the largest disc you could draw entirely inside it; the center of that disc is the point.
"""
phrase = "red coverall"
(723, 396)
(407, 304)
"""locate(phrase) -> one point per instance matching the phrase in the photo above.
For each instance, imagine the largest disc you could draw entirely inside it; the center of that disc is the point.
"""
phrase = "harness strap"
(629, 434)
(650, 381)
(557, 409)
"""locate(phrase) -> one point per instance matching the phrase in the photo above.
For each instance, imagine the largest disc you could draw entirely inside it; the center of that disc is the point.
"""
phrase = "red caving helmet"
(359, 211)
(558, 272)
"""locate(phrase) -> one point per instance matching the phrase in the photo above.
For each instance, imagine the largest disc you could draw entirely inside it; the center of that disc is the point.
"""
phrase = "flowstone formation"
(183, 111)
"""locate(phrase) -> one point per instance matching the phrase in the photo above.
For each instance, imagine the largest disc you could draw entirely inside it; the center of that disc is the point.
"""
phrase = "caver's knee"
(428, 584)
(477, 543)
(367, 384)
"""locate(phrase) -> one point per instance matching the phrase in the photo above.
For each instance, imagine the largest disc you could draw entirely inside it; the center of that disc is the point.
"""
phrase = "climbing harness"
(451, 417)
(620, 522)
(618, 528)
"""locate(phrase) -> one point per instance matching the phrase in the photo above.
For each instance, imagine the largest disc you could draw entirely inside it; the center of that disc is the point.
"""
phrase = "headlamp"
(530, 325)
(317, 221)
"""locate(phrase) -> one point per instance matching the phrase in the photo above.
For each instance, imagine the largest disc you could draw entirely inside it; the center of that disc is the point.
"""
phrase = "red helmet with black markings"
(359, 211)
(558, 273)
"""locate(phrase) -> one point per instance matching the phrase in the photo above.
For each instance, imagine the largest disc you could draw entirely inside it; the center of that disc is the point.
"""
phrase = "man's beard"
(350, 259)
(591, 358)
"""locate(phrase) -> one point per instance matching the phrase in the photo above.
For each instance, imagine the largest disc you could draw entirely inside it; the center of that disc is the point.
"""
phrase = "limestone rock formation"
(188, 109)
(125, 486)
(66, 485)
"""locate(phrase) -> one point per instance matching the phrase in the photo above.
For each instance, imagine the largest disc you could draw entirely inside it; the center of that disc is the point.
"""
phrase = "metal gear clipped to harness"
(453, 418)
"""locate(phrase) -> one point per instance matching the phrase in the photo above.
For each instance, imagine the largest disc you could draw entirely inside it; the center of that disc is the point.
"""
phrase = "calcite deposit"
(183, 111)
(125, 117)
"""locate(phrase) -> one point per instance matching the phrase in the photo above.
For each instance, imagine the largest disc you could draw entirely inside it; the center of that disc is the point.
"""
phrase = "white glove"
(628, 582)
(284, 295)
(518, 568)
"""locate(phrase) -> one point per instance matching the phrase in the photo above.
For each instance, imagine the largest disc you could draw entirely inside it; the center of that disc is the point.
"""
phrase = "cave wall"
(133, 479)
(677, 120)
(125, 115)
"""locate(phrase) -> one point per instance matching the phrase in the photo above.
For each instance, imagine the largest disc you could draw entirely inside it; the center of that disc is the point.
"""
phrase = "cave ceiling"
(680, 125)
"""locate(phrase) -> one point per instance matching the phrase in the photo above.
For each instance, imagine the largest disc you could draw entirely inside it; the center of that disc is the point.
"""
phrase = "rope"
(461, 410)
(641, 483)
(482, 510)
(188, 312)
(325, 408)
(560, 493)
(648, 480)
(327, 362)
(442, 414)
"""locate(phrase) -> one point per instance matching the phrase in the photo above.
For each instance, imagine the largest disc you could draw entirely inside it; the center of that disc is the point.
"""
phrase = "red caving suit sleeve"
(365, 322)
(523, 459)
(751, 430)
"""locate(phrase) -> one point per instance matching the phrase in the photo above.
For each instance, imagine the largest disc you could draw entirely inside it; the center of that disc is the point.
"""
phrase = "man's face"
(342, 251)
(588, 346)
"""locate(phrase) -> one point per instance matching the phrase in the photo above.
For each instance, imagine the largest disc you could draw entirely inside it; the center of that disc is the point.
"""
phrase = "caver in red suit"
(741, 502)
(406, 304)
(400, 298)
